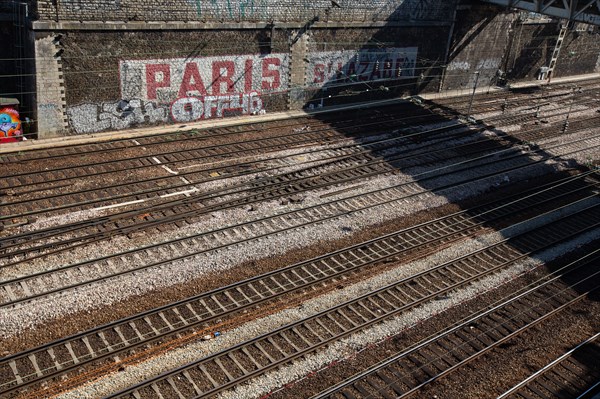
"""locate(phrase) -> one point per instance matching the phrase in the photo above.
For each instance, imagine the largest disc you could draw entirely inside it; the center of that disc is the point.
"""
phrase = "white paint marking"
(186, 181)
(186, 192)
(169, 170)
(226, 161)
(117, 205)
(164, 167)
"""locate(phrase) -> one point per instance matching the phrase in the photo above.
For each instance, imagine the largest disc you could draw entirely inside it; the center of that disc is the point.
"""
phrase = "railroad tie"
(252, 359)
(71, 352)
(11, 294)
(157, 391)
(224, 369)
(264, 352)
(147, 320)
(235, 360)
(187, 375)
(54, 359)
(164, 318)
(207, 374)
(86, 341)
(174, 386)
(191, 309)
(135, 329)
(183, 319)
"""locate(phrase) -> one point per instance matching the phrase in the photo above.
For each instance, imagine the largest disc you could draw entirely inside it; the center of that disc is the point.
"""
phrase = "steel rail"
(79, 204)
(443, 356)
(320, 117)
(550, 366)
(154, 139)
(443, 230)
(201, 152)
(347, 207)
(220, 206)
(330, 266)
(246, 168)
(347, 318)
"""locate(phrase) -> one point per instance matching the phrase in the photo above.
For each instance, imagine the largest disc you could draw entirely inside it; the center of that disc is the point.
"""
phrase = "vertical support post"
(473, 94)
(566, 124)
(447, 54)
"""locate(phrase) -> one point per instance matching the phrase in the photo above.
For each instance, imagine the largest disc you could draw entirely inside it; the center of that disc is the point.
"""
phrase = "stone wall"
(580, 52)
(117, 80)
(101, 67)
(242, 10)
(531, 48)
(8, 83)
(488, 39)
(429, 43)
(17, 69)
(478, 47)
(150, 71)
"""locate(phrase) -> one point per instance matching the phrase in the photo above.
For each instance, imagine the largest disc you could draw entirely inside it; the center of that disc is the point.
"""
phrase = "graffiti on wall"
(188, 90)
(10, 124)
(341, 67)
(168, 80)
(91, 118)
(488, 63)
(185, 90)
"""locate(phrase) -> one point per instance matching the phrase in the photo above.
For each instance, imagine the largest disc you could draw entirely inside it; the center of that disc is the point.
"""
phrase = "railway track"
(167, 322)
(48, 282)
(159, 188)
(140, 188)
(408, 372)
(336, 119)
(144, 187)
(520, 96)
(32, 366)
(267, 188)
(575, 374)
(171, 159)
(235, 365)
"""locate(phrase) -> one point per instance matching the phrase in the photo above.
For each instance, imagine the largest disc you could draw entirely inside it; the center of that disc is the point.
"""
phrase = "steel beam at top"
(587, 11)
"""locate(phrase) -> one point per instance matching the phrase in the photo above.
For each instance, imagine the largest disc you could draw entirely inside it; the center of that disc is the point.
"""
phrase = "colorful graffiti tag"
(10, 124)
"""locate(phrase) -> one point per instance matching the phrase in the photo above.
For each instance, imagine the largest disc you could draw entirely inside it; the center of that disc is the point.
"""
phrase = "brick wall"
(531, 48)
(479, 45)
(102, 69)
(120, 77)
(243, 10)
(580, 52)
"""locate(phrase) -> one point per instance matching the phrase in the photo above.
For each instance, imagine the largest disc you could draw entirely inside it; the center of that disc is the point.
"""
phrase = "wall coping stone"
(182, 25)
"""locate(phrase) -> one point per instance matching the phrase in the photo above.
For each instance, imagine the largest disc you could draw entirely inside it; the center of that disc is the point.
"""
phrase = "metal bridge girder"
(587, 11)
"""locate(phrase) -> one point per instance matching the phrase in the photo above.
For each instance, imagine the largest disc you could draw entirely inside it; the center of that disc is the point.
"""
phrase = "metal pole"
(566, 124)
(473, 94)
